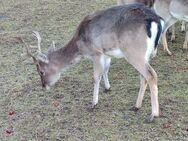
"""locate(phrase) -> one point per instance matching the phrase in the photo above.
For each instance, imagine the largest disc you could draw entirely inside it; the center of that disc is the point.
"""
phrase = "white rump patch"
(162, 24)
(151, 41)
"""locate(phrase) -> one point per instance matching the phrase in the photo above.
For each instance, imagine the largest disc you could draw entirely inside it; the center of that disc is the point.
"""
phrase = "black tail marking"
(158, 34)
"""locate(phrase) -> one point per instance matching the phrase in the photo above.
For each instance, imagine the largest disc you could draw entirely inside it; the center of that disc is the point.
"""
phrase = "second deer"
(172, 11)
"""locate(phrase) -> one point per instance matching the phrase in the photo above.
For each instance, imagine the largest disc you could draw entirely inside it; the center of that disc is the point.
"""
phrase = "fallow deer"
(183, 29)
(162, 8)
(172, 11)
(131, 32)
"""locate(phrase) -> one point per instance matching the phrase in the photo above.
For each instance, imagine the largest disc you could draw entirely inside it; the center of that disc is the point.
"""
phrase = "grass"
(36, 117)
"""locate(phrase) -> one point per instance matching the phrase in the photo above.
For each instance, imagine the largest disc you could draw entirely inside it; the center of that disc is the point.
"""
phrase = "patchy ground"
(28, 113)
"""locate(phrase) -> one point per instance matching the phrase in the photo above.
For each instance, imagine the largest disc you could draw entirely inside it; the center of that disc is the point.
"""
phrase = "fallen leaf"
(8, 131)
(167, 125)
(11, 113)
(56, 103)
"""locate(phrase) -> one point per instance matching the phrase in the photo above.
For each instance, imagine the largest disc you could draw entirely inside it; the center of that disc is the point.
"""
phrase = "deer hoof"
(135, 109)
(149, 119)
(169, 53)
(91, 107)
(107, 90)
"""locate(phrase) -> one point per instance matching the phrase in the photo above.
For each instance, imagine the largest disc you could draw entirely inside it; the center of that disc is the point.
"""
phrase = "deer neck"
(66, 56)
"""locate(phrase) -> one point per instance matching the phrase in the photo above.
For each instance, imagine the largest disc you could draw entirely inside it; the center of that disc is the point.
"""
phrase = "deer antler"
(28, 51)
(42, 57)
(37, 35)
(53, 44)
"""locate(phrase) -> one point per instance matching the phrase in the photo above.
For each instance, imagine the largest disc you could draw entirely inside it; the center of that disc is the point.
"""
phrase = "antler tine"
(27, 49)
(37, 35)
(53, 44)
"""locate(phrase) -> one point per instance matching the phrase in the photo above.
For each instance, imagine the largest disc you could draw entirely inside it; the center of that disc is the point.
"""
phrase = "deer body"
(172, 11)
(131, 32)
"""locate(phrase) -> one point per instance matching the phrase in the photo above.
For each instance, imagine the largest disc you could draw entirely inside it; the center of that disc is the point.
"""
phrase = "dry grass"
(36, 117)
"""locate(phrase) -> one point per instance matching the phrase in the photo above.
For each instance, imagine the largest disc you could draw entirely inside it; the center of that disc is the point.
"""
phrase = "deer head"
(47, 70)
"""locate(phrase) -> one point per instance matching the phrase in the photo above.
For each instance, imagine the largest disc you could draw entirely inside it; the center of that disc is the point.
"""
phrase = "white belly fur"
(115, 53)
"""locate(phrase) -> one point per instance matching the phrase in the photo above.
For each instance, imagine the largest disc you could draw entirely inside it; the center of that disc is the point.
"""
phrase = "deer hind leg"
(169, 23)
(173, 36)
(147, 74)
(107, 61)
(143, 86)
(152, 81)
(98, 64)
(150, 76)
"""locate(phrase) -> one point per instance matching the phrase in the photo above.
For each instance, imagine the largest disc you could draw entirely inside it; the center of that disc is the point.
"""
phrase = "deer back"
(102, 31)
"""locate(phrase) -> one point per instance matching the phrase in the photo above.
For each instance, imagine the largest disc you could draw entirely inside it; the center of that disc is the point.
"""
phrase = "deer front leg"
(105, 75)
(98, 72)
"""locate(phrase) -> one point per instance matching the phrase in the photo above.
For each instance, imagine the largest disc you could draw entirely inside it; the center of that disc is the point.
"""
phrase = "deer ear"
(52, 48)
(43, 58)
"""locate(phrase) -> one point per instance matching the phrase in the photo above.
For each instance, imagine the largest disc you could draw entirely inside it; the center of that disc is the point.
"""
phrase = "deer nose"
(45, 87)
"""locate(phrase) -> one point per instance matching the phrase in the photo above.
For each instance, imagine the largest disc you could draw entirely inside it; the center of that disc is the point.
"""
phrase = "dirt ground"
(27, 113)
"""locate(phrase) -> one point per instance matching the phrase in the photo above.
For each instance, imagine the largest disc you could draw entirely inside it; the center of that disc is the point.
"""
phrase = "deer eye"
(42, 73)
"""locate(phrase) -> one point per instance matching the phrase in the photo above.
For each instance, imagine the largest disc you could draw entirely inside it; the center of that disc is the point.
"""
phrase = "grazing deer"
(172, 11)
(131, 32)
